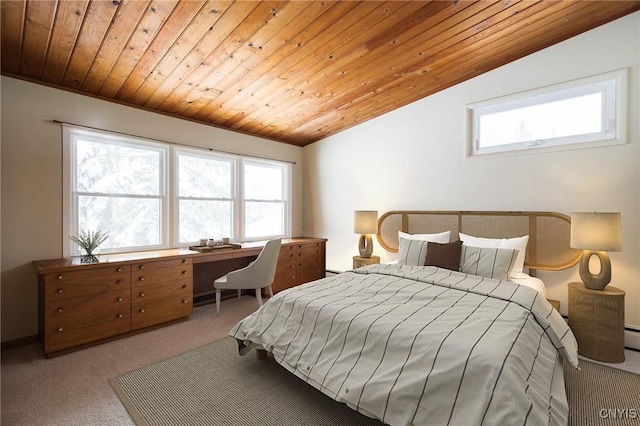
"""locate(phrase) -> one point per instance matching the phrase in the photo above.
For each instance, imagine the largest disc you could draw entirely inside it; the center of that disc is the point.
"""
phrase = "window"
(265, 195)
(581, 113)
(117, 187)
(125, 187)
(206, 196)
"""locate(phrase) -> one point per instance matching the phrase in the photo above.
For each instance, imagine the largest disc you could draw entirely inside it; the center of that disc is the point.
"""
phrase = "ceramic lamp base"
(595, 281)
(365, 246)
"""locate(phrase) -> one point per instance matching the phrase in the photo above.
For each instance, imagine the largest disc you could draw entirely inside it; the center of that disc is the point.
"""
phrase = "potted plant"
(89, 242)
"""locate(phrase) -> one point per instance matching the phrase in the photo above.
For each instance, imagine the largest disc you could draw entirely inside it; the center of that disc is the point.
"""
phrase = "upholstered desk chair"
(258, 275)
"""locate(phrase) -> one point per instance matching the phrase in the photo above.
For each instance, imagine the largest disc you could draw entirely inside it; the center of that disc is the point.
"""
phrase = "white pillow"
(518, 243)
(487, 262)
(413, 248)
(442, 237)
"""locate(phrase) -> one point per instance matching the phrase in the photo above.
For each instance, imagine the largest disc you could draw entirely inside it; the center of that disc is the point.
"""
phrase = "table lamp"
(365, 223)
(596, 233)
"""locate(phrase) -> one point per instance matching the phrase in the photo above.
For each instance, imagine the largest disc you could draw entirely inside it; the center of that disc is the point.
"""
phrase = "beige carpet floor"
(74, 389)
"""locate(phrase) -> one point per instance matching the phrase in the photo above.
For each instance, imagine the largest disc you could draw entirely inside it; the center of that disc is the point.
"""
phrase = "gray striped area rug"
(212, 385)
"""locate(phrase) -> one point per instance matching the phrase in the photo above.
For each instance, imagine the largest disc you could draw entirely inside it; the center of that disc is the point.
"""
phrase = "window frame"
(234, 160)
(169, 176)
(286, 193)
(614, 104)
(70, 210)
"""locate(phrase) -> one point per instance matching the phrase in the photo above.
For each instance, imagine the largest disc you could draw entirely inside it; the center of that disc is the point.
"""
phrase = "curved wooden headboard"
(549, 232)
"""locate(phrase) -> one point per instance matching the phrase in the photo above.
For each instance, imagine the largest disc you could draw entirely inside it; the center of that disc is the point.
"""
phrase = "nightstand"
(597, 320)
(363, 261)
(555, 304)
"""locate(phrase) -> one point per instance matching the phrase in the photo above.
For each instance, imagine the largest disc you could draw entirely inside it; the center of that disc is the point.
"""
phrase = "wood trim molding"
(11, 344)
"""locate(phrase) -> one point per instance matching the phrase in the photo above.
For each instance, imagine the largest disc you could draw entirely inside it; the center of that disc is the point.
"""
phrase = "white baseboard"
(632, 338)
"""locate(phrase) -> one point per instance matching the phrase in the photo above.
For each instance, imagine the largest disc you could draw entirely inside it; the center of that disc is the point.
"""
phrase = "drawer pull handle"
(120, 299)
(60, 329)
(142, 311)
(60, 277)
(119, 269)
(141, 278)
(119, 282)
(184, 300)
(141, 294)
(120, 315)
(60, 291)
(141, 266)
(59, 310)
(184, 286)
(184, 260)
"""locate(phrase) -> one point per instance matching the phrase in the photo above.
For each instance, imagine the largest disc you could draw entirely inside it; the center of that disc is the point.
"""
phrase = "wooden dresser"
(82, 306)
(160, 291)
(299, 263)
(86, 304)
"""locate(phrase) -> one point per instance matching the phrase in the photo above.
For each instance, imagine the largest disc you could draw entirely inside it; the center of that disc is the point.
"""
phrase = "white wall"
(412, 158)
(32, 178)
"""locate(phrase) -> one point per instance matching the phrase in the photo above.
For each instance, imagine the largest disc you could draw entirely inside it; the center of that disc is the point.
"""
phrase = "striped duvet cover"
(422, 346)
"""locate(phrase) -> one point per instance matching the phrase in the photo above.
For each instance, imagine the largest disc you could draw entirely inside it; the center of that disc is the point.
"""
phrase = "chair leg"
(218, 302)
(270, 291)
(239, 294)
(259, 296)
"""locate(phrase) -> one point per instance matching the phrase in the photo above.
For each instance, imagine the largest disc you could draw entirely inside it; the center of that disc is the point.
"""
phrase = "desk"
(82, 305)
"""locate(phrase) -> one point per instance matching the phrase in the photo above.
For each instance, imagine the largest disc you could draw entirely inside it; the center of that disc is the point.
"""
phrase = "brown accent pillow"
(445, 256)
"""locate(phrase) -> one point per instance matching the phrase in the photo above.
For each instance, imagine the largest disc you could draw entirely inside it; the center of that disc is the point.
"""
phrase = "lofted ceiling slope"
(291, 71)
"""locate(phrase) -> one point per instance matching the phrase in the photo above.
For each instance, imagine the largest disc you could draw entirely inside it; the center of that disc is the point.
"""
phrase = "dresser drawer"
(284, 280)
(311, 250)
(160, 264)
(141, 278)
(72, 330)
(150, 290)
(287, 253)
(79, 307)
(148, 312)
(306, 262)
(71, 284)
(310, 273)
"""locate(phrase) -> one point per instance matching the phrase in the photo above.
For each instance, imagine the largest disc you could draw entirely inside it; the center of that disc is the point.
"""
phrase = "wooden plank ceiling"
(294, 71)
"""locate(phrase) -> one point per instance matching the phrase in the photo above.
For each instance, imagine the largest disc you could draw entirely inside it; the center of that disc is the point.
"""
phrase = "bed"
(412, 344)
